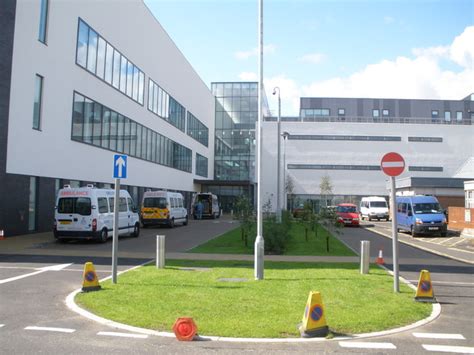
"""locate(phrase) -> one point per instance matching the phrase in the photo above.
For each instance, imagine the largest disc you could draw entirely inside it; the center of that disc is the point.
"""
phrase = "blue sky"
(416, 49)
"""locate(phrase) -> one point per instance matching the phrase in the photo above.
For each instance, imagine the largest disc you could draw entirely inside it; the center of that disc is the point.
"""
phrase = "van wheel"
(103, 235)
(185, 223)
(136, 230)
(412, 232)
(369, 218)
(172, 223)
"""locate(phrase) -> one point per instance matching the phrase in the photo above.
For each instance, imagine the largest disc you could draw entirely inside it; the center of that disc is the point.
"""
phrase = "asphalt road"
(35, 319)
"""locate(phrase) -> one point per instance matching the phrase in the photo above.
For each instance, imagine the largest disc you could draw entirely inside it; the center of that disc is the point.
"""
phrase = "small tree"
(307, 218)
(289, 189)
(244, 213)
(325, 187)
(330, 221)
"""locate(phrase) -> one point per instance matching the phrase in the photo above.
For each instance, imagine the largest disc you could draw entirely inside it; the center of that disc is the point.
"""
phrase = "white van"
(210, 204)
(163, 207)
(374, 207)
(88, 213)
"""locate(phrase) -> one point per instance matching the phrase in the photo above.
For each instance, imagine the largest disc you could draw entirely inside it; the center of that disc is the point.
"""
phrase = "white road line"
(458, 242)
(439, 336)
(52, 329)
(366, 345)
(2, 325)
(41, 270)
(123, 335)
(447, 283)
(449, 349)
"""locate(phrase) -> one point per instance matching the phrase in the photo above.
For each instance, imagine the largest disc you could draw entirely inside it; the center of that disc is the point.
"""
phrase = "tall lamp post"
(285, 135)
(278, 209)
(259, 245)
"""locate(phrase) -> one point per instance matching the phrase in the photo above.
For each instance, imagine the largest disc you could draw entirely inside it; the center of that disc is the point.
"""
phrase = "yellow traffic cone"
(90, 281)
(314, 319)
(424, 291)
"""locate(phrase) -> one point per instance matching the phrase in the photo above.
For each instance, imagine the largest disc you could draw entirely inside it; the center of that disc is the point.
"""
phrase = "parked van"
(210, 203)
(420, 215)
(88, 213)
(374, 207)
(163, 207)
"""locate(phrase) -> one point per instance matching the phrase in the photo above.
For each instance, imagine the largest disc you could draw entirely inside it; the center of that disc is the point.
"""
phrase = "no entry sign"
(392, 164)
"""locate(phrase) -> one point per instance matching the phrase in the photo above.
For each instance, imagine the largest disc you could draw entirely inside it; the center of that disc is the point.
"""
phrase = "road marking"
(52, 329)
(124, 335)
(458, 242)
(449, 349)
(40, 270)
(366, 345)
(2, 325)
(446, 283)
(439, 336)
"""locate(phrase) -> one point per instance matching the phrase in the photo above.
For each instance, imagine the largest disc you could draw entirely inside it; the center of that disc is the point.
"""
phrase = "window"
(95, 124)
(122, 204)
(111, 204)
(76, 205)
(201, 165)
(425, 168)
(131, 205)
(197, 130)
(165, 106)
(435, 114)
(103, 206)
(426, 139)
(385, 113)
(333, 167)
(375, 113)
(43, 23)
(447, 116)
(37, 102)
(341, 112)
(458, 116)
(313, 137)
(100, 58)
(32, 204)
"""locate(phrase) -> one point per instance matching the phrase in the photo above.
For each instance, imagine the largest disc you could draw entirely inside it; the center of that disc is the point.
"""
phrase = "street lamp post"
(259, 245)
(278, 206)
(285, 135)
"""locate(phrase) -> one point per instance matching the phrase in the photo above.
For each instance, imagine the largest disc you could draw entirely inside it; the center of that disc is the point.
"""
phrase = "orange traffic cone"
(380, 258)
(185, 329)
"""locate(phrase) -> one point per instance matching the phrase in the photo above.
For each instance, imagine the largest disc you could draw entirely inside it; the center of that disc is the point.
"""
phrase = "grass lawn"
(231, 243)
(354, 303)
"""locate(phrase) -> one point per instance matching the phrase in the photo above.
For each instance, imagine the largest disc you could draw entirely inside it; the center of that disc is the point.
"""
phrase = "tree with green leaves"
(245, 214)
(325, 187)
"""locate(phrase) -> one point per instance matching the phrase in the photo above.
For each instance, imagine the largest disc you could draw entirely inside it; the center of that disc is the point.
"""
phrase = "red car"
(348, 215)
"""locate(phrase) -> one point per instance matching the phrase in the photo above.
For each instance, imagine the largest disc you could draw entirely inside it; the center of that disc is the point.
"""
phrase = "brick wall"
(457, 218)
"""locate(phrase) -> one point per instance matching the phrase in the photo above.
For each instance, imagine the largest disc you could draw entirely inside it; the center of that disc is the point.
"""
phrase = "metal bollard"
(160, 251)
(364, 256)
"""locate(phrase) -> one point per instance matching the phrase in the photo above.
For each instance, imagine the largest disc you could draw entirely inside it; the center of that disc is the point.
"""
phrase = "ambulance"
(163, 207)
(88, 213)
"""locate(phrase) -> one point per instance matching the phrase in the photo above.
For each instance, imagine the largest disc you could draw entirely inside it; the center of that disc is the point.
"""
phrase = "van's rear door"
(74, 214)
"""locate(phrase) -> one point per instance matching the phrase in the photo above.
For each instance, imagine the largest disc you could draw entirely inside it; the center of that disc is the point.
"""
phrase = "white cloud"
(313, 58)
(248, 76)
(267, 49)
(420, 76)
(289, 94)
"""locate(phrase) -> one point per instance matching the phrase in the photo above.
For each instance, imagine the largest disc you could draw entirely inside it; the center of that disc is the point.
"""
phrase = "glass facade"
(100, 58)
(96, 124)
(197, 130)
(236, 115)
(201, 165)
(165, 106)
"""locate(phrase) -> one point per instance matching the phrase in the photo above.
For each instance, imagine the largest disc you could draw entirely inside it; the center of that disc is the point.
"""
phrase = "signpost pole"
(396, 287)
(116, 228)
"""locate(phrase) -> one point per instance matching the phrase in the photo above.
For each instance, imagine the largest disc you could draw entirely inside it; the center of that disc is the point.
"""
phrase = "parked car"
(348, 215)
(88, 213)
(163, 207)
(374, 207)
(421, 214)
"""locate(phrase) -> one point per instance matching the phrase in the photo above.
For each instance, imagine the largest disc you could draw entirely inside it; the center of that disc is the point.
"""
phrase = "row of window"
(165, 106)
(358, 167)
(342, 138)
(98, 125)
(313, 137)
(99, 57)
(201, 165)
(308, 114)
(197, 130)
(447, 115)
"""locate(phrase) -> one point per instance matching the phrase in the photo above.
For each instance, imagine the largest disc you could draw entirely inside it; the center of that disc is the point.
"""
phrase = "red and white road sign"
(392, 164)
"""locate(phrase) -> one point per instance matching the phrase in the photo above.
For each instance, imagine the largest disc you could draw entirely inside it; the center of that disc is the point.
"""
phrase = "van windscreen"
(79, 205)
(378, 204)
(156, 202)
(426, 208)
